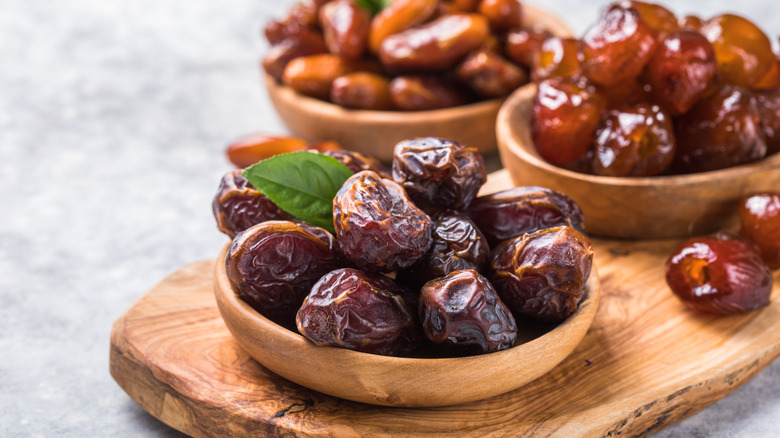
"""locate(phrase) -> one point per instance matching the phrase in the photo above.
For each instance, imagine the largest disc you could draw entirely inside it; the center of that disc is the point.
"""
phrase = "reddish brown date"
(520, 210)
(463, 310)
(759, 215)
(302, 19)
(543, 274)
(422, 93)
(398, 16)
(489, 74)
(617, 47)
(635, 141)
(719, 274)
(556, 58)
(659, 18)
(358, 162)
(742, 50)
(249, 149)
(238, 205)
(362, 90)
(503, 15)
(522, 44)
(377, 226)
(565, 115)
(720, 131)
(769, 109)
(291, 48)
(438, 174)
(457, 245)
(681, 70)
(345, 26)
(359, 311)
(314, 75)
(263, 273)
(435, 46)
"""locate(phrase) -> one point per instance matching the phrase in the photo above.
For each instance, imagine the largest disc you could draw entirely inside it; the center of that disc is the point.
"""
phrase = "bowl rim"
(506, 135)
(586, 309)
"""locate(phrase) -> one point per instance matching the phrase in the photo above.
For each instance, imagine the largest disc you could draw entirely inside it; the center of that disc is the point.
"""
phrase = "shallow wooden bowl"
(651, 207)
(376, 132)
(397, 381)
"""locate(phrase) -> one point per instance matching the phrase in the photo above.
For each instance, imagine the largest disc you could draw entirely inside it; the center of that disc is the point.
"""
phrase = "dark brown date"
(273, 265)
(362, 90)
(345, 26)
(438, 174)
(358, 162)
(464, 311)
(520, 210)
(377, 226)
(359, 311)
(720, 131)
(291, 48)
(543, 274)
(769, 107)
(422, 93)
(759, 215)
(238, 205)
(457, 245)
(435, 46)
(490, 75)
(719, 274)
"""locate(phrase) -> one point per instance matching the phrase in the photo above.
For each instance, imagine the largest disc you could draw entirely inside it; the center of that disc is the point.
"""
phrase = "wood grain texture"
(376, 132)
(655, 207)
(645, 363)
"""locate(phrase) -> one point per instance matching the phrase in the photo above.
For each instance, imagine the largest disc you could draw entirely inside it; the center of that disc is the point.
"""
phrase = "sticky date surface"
(238, 205)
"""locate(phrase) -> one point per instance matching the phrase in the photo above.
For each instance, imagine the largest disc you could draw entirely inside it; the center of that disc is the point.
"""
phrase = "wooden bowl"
(649, 207)
(398, 381)
(377, 132)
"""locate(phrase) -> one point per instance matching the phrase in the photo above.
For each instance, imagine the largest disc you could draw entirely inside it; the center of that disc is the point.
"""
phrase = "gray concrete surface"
(113, 120)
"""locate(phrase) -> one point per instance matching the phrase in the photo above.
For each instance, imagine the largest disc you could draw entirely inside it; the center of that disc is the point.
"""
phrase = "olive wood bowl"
(646, 207)
(399, 381)
(376, 133)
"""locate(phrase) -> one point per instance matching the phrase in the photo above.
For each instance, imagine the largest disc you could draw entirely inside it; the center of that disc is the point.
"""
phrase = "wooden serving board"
(646, 363)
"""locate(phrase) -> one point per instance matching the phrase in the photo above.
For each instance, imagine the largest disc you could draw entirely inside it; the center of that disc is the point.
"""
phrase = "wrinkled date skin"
(273, 265)
(720, 131)
(634, 141)
(457, 245)
(345, 26)
(759, 215)
(435, 46)
(358, 162)
(719, 274)
(362, 90)
(565, 115)
(490, 75)
(359, 311)
(542, 274)
(238, 205)
(617, 47)
(742, 50)
(464, 311)
(422, 93)
(520, 210)
(681, 70)
(377, 226)
(438, 174)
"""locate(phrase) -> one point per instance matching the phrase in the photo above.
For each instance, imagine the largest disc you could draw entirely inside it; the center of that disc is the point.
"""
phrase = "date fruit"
(359, 311)
(238, 205)
(273, 265)
(358, 162)
(362, 90)
(249, 149)
(503, 15)
(463, 310)
(438, 174)
(759, 215)
(490, 75)
(719, 274)
(422, 93)
(398, 16)
(542, 275)
(742, 50)
(520, 210)
(345, 26)
(378, 228)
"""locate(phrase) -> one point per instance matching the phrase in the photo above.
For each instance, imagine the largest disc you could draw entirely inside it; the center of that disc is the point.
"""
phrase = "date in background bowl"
(399, 381)
(648, 207)
(376, 133)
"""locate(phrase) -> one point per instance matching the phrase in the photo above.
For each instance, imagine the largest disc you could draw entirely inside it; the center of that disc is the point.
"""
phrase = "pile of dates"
(418, 263)
(413, 55)
(646, 93)
(723, 274)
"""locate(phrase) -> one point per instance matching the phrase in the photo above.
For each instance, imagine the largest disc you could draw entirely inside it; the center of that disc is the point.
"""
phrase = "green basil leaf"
(373, 6)
(301, 183)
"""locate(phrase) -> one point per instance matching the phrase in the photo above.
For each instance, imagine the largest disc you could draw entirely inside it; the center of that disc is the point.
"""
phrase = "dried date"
(238, 205)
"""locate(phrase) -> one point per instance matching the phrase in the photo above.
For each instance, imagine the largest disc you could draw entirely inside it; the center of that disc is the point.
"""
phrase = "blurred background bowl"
(401, 381)
(648, 207)
(375, 133)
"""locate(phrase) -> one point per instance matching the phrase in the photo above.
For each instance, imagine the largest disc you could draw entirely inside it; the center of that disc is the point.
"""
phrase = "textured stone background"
(113, 120)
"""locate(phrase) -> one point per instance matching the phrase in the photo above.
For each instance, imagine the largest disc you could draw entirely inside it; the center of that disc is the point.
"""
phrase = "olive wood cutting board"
(646, 362)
